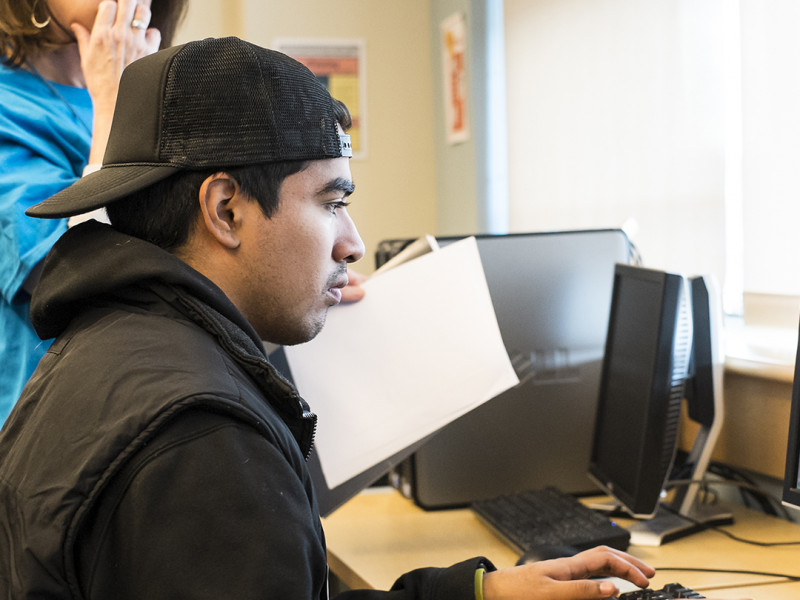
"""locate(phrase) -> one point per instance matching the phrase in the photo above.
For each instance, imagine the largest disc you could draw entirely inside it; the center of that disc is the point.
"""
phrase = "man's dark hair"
(165, 212)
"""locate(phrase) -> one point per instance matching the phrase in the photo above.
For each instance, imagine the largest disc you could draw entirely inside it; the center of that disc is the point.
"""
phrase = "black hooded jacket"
(156, 453)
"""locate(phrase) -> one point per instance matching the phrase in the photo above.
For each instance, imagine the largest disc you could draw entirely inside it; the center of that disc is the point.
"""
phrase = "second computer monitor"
(663, 345)
(645, 367)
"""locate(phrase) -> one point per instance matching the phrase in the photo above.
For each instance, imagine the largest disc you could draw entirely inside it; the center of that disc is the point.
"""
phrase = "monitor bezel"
(664, 414)
(791, 490)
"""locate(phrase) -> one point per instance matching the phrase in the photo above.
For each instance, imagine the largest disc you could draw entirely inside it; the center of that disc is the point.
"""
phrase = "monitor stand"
(685, 513)
(668, 525)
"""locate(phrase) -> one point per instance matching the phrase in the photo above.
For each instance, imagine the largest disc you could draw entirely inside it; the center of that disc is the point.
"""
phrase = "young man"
(156, 453)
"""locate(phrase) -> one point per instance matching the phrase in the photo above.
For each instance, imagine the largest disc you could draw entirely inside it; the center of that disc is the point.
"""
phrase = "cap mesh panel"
(272, 110)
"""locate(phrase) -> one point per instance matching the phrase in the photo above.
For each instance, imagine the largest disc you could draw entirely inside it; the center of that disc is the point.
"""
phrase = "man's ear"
(219, 196)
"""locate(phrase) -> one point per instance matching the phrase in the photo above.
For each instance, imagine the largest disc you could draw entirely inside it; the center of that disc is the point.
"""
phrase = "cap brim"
(99, 189)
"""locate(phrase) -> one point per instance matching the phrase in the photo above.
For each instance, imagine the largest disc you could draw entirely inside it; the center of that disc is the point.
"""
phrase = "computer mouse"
(546, 552)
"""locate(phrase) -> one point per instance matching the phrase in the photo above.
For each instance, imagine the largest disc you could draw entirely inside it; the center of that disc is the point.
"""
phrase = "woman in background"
(59, 74)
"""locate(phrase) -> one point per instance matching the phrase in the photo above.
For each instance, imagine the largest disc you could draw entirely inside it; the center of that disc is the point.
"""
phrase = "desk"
(379, 535)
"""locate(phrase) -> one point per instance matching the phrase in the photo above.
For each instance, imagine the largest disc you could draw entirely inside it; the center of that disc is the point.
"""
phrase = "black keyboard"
(548, 517)
(668, 592)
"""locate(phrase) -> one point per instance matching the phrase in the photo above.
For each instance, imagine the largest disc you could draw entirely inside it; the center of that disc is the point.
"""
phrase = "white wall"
(472, 182)
(615, 113)
(207, 18)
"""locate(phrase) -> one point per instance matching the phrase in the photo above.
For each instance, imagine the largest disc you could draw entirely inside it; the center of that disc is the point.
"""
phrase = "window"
(677, 119)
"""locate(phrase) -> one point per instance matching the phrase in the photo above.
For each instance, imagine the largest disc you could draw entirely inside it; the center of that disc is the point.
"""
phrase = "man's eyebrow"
(339, 184)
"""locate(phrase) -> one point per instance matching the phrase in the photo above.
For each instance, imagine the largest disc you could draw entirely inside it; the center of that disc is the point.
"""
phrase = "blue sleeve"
(43, 149)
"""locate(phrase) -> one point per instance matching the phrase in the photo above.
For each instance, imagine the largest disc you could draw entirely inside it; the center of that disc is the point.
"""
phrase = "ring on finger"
(138, 24)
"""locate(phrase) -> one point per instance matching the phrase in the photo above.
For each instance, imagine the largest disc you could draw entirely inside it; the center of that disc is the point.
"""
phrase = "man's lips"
(336, 289)
(336, 294)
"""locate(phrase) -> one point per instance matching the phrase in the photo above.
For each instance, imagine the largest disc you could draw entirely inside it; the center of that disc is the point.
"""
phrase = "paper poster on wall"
(454, 51)
(340, 65)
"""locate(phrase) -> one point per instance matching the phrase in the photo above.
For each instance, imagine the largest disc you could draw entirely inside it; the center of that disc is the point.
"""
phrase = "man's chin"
(302, 334)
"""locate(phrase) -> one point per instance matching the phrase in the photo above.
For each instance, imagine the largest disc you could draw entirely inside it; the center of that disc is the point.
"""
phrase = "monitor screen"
(791, 482)
(644, 370)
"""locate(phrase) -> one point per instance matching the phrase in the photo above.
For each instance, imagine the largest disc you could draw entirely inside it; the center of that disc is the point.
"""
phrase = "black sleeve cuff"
(456, 582)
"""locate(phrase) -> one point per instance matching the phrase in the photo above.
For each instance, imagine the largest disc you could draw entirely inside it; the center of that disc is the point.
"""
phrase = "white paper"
(421, 349)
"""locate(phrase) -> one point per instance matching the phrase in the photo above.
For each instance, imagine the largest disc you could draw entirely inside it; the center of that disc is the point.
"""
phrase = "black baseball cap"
(206, 104)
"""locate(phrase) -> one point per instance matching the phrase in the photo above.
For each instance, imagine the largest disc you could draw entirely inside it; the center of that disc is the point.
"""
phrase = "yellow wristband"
(479, 583)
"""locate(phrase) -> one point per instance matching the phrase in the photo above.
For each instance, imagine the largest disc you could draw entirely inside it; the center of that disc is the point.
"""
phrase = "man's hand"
(353, 291)
(568, 578)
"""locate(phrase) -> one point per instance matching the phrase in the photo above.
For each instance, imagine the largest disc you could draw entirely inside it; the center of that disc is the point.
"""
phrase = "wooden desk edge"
(378, 511)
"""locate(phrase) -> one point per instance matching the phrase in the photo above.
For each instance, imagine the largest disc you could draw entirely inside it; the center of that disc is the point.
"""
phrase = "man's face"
(296, 261)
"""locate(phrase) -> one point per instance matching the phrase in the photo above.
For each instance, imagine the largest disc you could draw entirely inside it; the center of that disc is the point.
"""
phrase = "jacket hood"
(93, 260)
(92, 263)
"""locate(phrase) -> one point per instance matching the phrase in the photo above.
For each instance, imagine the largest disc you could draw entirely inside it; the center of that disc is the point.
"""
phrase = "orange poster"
(455, 78)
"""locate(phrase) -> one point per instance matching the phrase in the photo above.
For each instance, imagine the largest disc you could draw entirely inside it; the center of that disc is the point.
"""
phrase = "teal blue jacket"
(45, 132)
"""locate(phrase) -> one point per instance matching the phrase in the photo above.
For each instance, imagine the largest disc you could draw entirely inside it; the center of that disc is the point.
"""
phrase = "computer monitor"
(791, 480)
(662, 345)
(551, 293)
